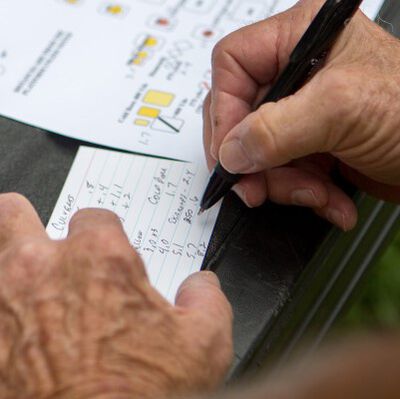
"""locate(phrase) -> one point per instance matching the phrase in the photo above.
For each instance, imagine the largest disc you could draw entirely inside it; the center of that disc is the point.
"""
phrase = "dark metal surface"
(269, 259)
(389, 17)
(327, 285)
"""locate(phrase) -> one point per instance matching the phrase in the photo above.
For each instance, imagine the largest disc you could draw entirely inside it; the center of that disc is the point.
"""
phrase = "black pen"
(313, 47)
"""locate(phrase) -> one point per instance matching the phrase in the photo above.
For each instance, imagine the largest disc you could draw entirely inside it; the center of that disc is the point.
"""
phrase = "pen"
(309, 52)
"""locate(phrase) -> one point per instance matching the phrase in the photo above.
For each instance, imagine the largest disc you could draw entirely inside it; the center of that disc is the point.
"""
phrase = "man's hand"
(79, 319)
(349, 111)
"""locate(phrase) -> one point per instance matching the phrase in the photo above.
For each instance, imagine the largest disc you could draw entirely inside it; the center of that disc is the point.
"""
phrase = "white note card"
(157, 202)
(127, 74)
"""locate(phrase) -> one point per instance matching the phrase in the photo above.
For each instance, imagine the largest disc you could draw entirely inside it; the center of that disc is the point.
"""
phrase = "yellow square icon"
(158, 98)
(149, 112)
(72, 2)
(142, 122)
(151, 41)
(115, 9)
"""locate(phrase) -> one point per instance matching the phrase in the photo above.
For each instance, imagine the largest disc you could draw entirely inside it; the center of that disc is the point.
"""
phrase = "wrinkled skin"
(79, 319)
(346, 117)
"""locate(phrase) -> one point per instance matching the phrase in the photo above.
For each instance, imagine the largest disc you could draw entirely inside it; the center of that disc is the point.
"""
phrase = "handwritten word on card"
(157, 202)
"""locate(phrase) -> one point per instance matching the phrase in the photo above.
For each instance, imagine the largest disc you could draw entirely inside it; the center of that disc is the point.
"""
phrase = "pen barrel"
(325, 28)
(224, 174)
(220, 184)
(313, 47)
(291, 80)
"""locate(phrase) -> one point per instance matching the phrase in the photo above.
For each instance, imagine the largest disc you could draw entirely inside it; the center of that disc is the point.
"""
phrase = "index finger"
(90, 220)
(246, 63)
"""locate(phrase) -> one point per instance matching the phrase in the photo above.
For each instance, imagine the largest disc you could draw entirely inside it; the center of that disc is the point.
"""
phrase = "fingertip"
(202, 292)
(340, 210)
(211, 163)
(252, 190)
(311, 197)
(203, 281)
(295, 186)
(205, 277)
(235, 158)
(343, 221)
(207, 132)
(350, 217)
(202, 303)
(241, 193)
(214, 150)
(96, 221)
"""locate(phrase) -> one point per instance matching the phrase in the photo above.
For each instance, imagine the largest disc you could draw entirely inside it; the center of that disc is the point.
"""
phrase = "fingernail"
(214, 151)
(304, 197)
(234, 158)
(338, 218)
(204, 277)
(240, 193)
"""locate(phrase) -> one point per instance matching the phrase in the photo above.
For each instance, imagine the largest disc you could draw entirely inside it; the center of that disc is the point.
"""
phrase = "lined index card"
(157, 202)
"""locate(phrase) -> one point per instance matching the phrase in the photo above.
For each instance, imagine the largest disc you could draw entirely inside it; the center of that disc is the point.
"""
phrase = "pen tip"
(201, 211)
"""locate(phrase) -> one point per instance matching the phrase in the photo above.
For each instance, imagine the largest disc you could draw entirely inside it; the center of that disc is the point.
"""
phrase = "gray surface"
(34, 163)
(389, 17)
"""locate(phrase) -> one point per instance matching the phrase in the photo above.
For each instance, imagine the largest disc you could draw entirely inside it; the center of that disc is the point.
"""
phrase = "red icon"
(163, 22)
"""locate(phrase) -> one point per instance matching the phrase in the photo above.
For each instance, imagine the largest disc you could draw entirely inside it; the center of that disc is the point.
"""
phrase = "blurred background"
(377, 304)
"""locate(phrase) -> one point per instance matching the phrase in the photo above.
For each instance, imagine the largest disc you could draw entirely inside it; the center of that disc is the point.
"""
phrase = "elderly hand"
(79, 319)
(347, 116)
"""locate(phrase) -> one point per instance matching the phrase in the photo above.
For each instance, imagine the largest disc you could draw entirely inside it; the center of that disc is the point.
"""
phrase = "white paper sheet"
(157, 201)
(130, 74)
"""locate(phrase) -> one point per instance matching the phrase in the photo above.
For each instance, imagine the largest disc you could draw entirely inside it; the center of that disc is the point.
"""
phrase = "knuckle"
(128, 263)
(207, 103)
(266, 141)
(223, 48)
(24, 262)
(30, 252)
(229, 44)
(93, 238)
(97, 227)
(108, 253)
(341, 94)
(13, 202)
(343, 102)
(218, 50)
(94, 213)
(106, 243)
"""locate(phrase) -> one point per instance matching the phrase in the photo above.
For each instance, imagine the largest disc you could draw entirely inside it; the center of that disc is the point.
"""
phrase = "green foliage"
(379, 304)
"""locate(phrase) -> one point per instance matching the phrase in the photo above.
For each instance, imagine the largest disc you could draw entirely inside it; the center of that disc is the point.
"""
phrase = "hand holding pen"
(287, 149)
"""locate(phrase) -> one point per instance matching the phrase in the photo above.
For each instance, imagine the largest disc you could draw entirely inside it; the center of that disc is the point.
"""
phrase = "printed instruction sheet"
(157, 202)
(129, 74)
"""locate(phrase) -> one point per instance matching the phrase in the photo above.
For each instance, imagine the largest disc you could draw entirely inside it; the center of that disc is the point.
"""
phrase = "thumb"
(278, 133)
(209, 316)
(202, 292)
